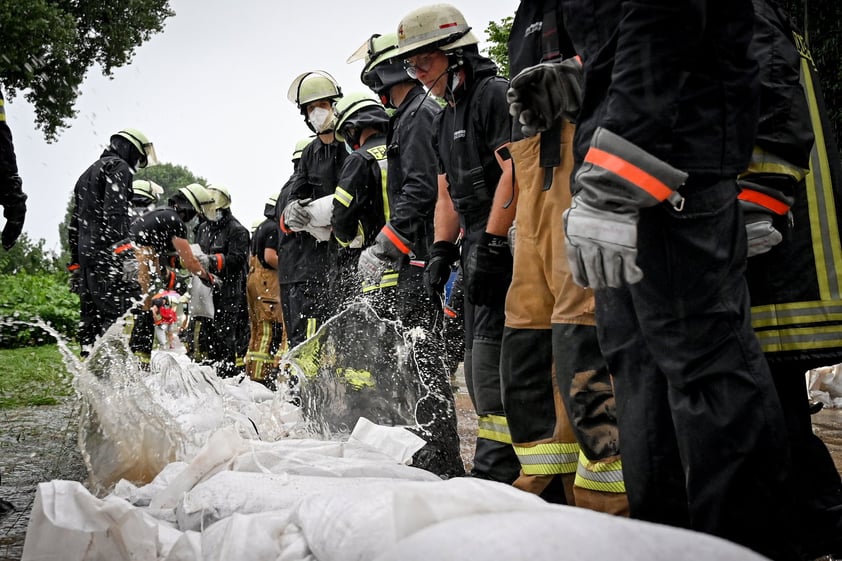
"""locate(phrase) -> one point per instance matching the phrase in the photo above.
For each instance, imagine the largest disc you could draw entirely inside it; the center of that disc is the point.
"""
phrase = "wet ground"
(39, 444)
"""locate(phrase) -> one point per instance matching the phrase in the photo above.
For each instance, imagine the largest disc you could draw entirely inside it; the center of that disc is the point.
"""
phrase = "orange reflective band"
(284, 228)
(764, 200)
(220, 262)
(73, 267)
(171, 282)
(120, 249)
(630, 172)
(396, 241)
(449, 312)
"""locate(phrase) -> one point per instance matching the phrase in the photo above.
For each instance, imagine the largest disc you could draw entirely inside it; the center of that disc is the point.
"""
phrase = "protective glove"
(539, 95)
(615, 181)
(75, 272)
(14, 211)
(760, 203)
(442, 257)
(295, 217)
(386, 253)
(130, 271)
(203, 260)
(512, 236)
(210, 280)
(488, 270)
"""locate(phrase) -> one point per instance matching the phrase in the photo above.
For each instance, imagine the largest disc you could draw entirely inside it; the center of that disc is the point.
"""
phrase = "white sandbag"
(358, 524)
(560, 533)
(230, 492)
(320, 211)
(255, 537)
(142, 496)
(70, 524)
(397, 442)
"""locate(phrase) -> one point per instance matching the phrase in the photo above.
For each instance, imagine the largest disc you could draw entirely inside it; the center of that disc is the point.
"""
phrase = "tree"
(47, 47)
(169, 176)
(498, 36)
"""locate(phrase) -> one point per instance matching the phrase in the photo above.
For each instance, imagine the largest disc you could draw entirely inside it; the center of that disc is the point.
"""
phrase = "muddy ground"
(39, 444)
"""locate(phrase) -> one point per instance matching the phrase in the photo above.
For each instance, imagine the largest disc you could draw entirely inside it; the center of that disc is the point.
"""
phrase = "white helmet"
(220, 195)
(437, 26)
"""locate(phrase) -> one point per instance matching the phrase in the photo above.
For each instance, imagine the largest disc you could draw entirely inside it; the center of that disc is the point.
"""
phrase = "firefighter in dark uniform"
(402, 246)
(99, 226)
(666, 124)
(556, 385)
(12, 197)
(441, 52)
(791, 196)
(308, 269)
(264, 299)
(225, 248)
(160, 241)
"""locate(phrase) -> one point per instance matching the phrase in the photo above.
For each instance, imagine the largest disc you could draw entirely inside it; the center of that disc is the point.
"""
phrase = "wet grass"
(32, 376)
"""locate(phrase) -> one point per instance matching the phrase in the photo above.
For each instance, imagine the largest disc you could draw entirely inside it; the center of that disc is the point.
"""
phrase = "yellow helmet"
(313, 86)
(382, 70)
(221, 196)
(199, 198)
(437, 26)
(358, 110)
(146, 192)
(144, 147)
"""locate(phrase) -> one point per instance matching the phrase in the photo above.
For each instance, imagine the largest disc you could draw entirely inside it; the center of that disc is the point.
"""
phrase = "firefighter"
(790, 196)
(475, 195)
(160, 240)
(556, 387)
(264, 299)
(99, 226)
(12, 197)
(225, 248)
(654, 228)
(307, 263)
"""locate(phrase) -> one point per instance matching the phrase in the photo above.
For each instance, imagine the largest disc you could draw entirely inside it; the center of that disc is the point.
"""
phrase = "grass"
(32, 376)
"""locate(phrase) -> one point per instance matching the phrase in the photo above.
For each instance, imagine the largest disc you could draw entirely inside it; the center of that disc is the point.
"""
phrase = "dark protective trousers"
(104, 299)
(494, 458)
(304, 309)
(702, 432)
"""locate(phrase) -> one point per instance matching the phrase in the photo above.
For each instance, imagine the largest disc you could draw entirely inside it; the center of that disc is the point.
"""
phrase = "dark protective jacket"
(304, 257)
(226, 242)
(360, 202)
(683, 86)
(412, 180)
(796, 288)
(100, 217)
(266, 235)
(11, 192)
(466, 137)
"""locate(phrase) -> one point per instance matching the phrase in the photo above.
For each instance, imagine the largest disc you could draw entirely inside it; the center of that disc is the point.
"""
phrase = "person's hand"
(760, 204)
(295, 217)
(387, 252)
(130, 271)
(14, 211)
(539, 95)
(437, 272)
(488, 271)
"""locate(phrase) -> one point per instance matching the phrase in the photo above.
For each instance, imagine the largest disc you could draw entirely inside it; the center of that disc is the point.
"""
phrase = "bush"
(27, 298)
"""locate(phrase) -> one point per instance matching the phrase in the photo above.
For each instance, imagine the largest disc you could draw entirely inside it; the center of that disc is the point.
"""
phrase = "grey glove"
(512, 235)
(760, 203)
(539, 95)
(295, 217)
(130, 271)
(601, 224)
(389, 249)
(204, 261)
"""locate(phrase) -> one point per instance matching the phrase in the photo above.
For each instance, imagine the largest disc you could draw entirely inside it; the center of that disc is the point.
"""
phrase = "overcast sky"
(210, 92)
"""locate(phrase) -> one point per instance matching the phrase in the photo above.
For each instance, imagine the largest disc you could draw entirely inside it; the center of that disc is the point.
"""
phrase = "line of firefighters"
(626, 326)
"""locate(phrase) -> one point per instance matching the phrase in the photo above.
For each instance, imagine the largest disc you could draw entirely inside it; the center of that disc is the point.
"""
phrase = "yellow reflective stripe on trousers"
(600, 476)
(2, 109)
(549, 458)
(494, 427)
(311, 327)
(343, 196)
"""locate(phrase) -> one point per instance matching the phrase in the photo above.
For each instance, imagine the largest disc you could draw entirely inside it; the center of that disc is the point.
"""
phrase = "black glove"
(14, 211)
(541, 94)
(761, 198)
(442, 256)
(488, 271)
(75, 273)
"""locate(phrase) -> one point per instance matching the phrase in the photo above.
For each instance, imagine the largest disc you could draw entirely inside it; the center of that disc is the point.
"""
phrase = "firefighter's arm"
(505, 196)
(270, 255)
(188, 260)
(446, 219)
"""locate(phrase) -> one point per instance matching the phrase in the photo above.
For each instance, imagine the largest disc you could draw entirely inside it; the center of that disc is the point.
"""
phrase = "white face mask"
(320, 118)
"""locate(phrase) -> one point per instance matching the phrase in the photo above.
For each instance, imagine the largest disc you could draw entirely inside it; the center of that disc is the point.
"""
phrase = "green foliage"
(30, 258)
(498, 36)
(171, 177)
(26, 298)
(48, 46)
(32, 376)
